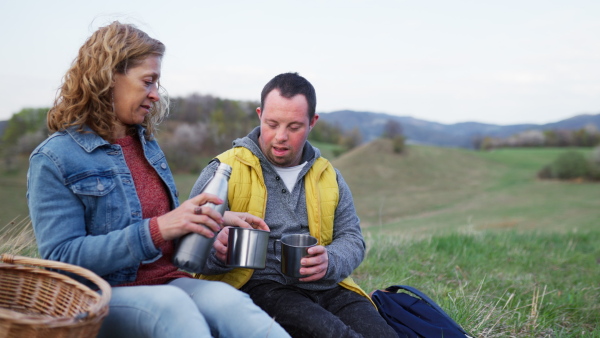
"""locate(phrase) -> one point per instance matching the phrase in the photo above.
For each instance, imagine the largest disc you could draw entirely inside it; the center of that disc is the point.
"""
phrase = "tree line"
(588, 136)
(197, 127)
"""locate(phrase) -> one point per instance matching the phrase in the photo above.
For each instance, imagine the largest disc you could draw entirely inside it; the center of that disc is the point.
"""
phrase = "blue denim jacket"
(84, 207)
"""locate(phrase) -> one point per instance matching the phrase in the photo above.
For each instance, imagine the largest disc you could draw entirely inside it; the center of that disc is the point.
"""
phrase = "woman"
(101, 196)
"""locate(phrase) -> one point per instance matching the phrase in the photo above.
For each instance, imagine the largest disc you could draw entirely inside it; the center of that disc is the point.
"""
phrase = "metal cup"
(293, 248)
(247, 248)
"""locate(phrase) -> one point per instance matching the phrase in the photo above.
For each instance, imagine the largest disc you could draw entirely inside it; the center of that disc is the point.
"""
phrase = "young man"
(278, 176)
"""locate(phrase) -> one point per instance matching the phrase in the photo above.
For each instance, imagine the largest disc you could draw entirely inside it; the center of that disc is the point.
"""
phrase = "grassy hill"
(434, 190)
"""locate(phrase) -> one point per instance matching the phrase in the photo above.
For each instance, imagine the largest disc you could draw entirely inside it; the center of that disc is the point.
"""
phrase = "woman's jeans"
(186, 307)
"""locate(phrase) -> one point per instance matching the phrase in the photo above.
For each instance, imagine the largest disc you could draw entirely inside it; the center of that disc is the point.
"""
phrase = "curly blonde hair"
(85, 96)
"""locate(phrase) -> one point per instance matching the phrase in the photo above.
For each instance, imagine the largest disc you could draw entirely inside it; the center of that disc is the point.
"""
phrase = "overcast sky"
(448, 61)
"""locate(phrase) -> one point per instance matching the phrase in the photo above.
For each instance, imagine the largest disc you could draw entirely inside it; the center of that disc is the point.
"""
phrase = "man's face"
(284, 128)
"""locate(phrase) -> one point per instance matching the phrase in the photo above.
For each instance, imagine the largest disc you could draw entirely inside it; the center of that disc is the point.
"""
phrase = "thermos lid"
(224, 168)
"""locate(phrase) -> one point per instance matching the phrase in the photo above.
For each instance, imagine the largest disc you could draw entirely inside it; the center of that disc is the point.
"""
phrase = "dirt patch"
(508, 224)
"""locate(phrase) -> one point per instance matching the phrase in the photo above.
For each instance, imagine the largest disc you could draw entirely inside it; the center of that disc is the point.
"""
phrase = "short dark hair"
(290, 85)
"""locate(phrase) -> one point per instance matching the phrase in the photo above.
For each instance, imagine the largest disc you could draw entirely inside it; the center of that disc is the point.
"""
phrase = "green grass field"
(498, 284)
(433, 189)
(13, 201)
(506, 254)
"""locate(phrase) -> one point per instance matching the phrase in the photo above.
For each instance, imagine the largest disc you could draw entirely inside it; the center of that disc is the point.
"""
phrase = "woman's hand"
(244, 220)
(238, 219)
(192, 216)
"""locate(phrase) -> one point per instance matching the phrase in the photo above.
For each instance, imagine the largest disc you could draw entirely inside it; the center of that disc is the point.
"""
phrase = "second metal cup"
(293, 248)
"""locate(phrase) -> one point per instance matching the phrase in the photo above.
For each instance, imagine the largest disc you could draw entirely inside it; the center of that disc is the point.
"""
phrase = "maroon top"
(155, 202)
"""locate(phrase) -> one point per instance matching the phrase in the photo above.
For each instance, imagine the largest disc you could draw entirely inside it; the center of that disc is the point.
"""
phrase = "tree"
(326, 132)
(352, 139)
(393, 130)
(23, 132)
(185, 144)
(568, 165)
(28, 120)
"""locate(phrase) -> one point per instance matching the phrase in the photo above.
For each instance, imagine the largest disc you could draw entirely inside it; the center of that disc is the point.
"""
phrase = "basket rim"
(31, 265)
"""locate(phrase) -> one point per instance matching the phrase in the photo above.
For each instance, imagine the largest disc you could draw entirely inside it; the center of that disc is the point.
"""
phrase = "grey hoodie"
(286, 214)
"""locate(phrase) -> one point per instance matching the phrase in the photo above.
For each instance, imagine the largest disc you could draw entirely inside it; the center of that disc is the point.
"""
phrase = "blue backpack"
(414, 317)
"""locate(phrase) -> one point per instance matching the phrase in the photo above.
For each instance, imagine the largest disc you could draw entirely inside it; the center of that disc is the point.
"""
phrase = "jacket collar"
(88, 140)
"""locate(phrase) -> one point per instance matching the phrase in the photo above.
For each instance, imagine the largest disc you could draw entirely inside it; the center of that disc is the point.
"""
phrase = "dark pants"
(337, 312)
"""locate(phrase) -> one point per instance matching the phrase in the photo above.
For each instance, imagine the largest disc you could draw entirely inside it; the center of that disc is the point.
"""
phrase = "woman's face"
(134, 92)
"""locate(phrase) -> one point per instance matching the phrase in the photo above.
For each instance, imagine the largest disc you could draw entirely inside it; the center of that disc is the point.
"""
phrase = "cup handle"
(275, 249)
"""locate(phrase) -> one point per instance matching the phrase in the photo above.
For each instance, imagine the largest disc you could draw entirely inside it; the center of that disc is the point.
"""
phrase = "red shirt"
(155, 202)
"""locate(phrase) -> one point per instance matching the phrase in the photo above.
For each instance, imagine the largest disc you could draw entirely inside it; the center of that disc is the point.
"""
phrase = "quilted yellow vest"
(248, 193)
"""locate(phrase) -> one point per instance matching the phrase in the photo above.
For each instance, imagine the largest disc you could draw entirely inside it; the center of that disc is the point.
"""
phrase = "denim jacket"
(84, 207)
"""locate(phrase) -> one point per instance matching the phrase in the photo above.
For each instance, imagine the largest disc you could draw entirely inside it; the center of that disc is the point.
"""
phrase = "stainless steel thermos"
(193, 249)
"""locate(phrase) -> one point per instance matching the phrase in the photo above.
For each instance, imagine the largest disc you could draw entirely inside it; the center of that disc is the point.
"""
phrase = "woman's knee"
(210, 291)
(151, 311)
(172, 297)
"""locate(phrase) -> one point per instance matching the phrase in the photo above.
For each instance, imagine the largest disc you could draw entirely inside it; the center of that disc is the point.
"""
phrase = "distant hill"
(419, 131)
(446, 135)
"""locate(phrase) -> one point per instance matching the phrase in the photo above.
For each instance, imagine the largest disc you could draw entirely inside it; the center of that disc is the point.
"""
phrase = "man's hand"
(220, 244)
(315, 265)
(238, 219)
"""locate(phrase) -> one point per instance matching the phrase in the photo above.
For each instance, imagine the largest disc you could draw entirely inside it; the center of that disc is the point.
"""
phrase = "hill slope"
(388, 187)
(431, 190)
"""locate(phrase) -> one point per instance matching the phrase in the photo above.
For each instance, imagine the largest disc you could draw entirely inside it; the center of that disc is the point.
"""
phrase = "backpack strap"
(426, 299)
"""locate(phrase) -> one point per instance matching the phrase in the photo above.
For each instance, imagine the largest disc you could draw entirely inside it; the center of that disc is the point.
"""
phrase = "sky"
(501, 62)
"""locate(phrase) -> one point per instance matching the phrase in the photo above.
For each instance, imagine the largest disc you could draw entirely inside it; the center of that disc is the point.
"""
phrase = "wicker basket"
(37, 302)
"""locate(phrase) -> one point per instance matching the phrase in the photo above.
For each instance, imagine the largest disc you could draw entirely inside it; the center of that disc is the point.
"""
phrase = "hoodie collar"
(309, 153)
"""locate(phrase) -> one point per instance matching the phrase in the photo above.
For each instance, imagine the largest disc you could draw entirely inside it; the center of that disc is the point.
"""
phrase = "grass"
(329, 150)
(505, 254)
(433, 189)
(13, 202)
(493, 284)
(17, 238)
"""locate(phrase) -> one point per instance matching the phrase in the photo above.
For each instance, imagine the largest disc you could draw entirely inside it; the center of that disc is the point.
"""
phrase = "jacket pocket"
(100, 202)
(93, 186)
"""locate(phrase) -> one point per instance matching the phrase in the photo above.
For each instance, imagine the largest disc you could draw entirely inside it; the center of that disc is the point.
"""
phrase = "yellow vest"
(248, 193)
